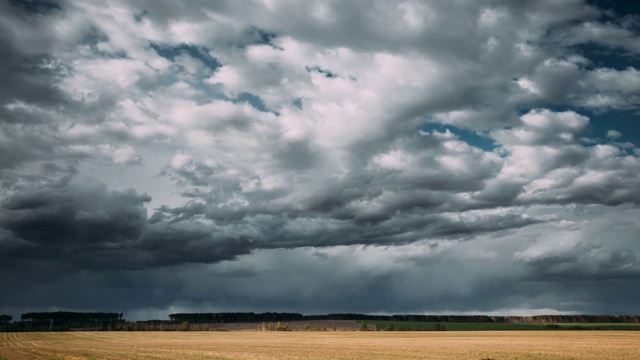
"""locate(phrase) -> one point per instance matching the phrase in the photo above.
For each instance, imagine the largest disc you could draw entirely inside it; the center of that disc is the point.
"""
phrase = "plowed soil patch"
(322, 345)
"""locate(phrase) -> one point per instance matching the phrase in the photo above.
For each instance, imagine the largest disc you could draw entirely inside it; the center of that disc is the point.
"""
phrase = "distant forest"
(250, 317)
(62, 321)
(113, 321)
(67, 316)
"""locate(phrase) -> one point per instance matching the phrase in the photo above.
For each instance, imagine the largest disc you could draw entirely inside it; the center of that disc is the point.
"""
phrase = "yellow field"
(323, 345)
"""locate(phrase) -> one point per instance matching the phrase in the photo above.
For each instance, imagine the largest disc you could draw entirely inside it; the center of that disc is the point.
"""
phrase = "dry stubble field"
(322, 345)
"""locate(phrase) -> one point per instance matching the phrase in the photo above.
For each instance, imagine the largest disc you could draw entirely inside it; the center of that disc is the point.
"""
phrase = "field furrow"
(350, 345)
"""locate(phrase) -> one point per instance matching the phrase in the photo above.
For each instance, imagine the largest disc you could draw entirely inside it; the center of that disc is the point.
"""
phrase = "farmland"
(459, 326)
(322, 345)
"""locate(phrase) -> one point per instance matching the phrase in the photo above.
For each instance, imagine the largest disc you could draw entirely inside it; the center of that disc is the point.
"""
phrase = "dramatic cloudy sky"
(320, 156)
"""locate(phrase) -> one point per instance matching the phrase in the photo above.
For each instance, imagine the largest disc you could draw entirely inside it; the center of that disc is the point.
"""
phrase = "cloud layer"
(326, 156)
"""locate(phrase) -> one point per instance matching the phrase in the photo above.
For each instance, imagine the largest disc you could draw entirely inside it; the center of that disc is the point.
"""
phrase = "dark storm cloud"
(85, 226)
(589, 253)
(72, 221)
(581, 266)
(28, 75)
(74, 214)
(35, 111)
(375, 288)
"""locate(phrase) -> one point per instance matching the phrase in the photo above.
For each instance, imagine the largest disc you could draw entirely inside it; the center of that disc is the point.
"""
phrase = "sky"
(385, 157)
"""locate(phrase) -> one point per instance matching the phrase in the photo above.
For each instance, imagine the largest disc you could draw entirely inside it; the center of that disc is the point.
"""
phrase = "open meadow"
(322, 345)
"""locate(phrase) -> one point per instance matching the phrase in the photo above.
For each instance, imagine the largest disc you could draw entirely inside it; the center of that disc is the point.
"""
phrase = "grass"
(426, 326)
(343, 345)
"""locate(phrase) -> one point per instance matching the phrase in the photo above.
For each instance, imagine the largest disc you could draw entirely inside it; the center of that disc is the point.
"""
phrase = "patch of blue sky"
(260, 36)
(140, 16)
(626, 7)
(93, 38)
(253, 100)
(36, 6)
(207, 92)
(197, 52)
(601, 56)
(325, 72)
(626, 122)
(297, 102)
(473, 138)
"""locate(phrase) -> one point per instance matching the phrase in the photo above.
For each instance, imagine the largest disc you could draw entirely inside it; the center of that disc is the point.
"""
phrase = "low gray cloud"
(83, 225)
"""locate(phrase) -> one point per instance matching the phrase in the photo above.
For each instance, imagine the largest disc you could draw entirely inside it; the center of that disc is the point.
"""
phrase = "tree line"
(250, 317)
(112, 321)
(235, 317)
(63, 321)
(68, 316)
